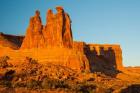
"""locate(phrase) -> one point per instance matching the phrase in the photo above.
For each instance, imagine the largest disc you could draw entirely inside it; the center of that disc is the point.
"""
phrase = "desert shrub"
(109, 90)
(53, 83)
(33, 84)
(31, 61)
(18, 84)
(45, 83)
(135, 88)
(3, 61)
(33, 71)
(5, 83)
(8, 76)
(85, 88)
(61, 84)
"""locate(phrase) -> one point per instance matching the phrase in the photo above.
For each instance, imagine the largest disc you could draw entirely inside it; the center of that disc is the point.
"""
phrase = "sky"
(93, 21)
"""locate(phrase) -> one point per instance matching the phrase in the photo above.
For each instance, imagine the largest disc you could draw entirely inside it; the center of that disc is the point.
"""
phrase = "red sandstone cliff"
(105, 56)
(102, 57)
(57, 34)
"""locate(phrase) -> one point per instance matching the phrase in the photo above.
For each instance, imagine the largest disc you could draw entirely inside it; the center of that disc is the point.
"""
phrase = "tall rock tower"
(34, 37)
(56, 33)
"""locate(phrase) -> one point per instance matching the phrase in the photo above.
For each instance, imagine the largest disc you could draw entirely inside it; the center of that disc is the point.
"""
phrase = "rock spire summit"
(56, 33)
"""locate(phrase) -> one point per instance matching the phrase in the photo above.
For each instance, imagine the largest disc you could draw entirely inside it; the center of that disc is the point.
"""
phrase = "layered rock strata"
(101, 57)
(53, 43)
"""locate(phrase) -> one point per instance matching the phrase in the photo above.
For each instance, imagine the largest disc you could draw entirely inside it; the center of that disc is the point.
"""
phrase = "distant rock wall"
(104, 56)
(11, 41)
(79, 46)
(101, 57)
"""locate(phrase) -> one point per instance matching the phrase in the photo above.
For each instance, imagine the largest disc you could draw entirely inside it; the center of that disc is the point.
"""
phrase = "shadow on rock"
(132, 89)
(103, 60)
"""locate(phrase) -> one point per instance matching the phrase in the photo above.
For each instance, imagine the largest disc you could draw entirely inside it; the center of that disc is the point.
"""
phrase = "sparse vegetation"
(53, 83)
(5, 83)
(34, 76)
(3, 61)
(135, 88)
(33, 84)
(85, 88)
(31, 60)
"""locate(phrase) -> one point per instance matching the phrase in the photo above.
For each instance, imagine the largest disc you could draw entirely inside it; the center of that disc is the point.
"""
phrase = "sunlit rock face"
(34, 37)
(56, 33)
(53, 42)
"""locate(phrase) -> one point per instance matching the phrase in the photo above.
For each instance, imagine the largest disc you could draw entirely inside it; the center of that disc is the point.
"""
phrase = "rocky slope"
(33, 77)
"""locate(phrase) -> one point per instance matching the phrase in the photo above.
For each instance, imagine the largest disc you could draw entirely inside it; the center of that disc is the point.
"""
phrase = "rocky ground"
(33, 77)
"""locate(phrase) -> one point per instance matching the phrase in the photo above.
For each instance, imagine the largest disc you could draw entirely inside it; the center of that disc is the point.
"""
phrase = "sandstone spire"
(56, 33)
(34, 37)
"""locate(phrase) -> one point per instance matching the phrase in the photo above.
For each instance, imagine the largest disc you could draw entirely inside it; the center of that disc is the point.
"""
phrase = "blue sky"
(93, 21)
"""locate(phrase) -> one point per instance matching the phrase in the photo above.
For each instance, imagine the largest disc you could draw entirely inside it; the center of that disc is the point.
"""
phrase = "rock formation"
(34, 37)
(104, 57)
(58, 29)
(101, 57)
(56, 33)
(55, 37)
(10, 41)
